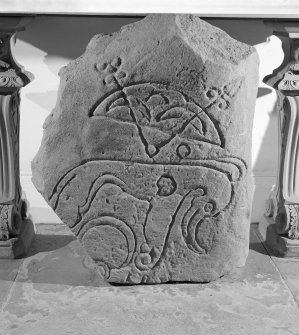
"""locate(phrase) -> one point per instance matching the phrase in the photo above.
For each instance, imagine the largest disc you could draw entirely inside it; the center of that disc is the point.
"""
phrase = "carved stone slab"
(146, 156)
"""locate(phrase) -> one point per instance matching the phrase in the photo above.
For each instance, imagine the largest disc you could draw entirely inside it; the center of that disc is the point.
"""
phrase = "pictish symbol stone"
(154, 120)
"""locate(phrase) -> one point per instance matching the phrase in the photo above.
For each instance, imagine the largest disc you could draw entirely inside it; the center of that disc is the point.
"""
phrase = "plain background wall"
(50, 42)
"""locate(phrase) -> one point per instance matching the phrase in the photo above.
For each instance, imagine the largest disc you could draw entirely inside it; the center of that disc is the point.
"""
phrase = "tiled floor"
(56, 290)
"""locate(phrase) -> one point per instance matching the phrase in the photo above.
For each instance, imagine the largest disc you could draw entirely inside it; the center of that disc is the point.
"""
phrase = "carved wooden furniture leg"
(283, 204)
(15, 234)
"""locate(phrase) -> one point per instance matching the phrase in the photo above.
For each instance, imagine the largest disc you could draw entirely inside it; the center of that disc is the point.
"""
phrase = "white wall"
(50, 42)
(215, 8)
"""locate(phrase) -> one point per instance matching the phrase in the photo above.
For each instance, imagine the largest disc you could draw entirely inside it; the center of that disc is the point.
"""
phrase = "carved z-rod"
(12, 206)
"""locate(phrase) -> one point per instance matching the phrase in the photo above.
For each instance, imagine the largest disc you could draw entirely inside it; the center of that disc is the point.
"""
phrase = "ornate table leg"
(281, 226)
(15, 234)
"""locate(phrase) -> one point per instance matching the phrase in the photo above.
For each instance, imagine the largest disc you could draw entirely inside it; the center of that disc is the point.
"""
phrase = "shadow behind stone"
(58, 260)
(46, 243)
(262, 91)
(255, 243)
(258, 247)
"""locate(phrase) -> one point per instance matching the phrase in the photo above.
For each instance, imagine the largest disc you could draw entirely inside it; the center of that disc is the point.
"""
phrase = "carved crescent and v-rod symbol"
(160, 114)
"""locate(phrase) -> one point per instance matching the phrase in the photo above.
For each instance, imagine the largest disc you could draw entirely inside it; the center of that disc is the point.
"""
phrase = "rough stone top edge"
(187, 26)
(208, 31)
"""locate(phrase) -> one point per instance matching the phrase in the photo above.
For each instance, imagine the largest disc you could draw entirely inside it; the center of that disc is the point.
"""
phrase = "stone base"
(18, 246)
(277, 244)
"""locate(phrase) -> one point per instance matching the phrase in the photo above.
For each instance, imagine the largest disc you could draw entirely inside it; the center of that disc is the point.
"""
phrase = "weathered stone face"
(146, 156)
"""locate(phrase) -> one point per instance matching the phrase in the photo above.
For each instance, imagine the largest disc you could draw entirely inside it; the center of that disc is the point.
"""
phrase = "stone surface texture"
(146, 156)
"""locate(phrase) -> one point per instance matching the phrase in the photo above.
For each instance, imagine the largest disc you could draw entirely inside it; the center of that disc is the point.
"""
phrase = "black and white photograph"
(149, 167)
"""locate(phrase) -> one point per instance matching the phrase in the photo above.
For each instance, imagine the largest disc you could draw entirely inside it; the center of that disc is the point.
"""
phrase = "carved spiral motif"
(199, 208)
(110, 242)
(166, 185)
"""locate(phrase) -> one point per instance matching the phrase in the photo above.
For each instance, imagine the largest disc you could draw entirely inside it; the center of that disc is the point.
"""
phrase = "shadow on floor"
(47, 243)
(255, 242)
(58, 259)
(258, 244)
(258, 247)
